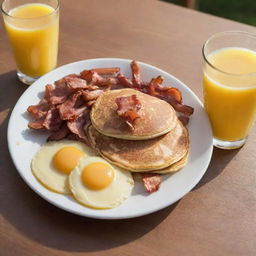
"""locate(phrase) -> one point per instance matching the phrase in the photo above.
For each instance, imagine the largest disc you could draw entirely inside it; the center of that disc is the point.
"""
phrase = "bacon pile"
(65, 107)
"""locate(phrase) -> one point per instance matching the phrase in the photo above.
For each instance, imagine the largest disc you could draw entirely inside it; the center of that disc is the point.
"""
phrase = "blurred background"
(240, 10)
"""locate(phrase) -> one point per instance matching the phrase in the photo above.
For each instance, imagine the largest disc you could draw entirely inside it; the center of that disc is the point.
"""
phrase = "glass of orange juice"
(33, 30)
(229, 83)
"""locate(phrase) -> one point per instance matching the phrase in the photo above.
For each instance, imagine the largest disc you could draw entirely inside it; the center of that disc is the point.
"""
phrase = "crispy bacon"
(106, 71)
(151, 87)
(136, 79)
(179, 107)
(59, 134)
(127, 108)
(108, 82)
(76, 126)
(64, 87)
(60, 93)
(40, 110)
(75, 83)
(91, 95)
(151, 181)
(92, 87)
(157, 81)
(94, 75)
(155, 88)
(91, 77)
(52, 121)
(63, 79)
(47, 91)
(170, 93)
(36, 125)
(72, 107)
(94, 78)
(124, 81)
(184, 119)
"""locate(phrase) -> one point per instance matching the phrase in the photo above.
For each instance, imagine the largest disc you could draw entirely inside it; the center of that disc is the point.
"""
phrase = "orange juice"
(33, 32)
(230, 94)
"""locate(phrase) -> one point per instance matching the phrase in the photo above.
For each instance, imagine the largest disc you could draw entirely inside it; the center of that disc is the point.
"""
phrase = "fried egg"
(55, 160)
(100, 185)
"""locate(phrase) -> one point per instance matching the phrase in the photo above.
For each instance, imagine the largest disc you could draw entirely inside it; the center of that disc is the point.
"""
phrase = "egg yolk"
(97, 176)
(66, 159)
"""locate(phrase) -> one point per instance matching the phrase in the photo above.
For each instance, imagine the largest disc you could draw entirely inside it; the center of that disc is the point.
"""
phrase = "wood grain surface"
(218, 217)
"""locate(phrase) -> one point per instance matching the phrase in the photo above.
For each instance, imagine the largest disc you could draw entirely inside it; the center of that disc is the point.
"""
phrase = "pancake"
(174, 167)
(143, 155)
(157, 116)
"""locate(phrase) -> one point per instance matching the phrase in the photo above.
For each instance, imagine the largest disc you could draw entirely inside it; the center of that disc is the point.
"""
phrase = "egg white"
(44, 170)
(112, 196)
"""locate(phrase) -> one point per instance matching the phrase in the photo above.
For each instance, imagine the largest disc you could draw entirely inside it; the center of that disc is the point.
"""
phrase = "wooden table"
(218, 217)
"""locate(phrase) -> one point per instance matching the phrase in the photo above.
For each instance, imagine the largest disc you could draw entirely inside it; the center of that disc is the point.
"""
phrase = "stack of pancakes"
(158, 143)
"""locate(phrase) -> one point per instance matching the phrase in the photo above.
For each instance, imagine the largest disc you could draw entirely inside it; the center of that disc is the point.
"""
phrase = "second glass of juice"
(229, 83)
(33, 31)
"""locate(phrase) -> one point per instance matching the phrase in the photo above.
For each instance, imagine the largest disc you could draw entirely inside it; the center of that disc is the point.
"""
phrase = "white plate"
(23, 144)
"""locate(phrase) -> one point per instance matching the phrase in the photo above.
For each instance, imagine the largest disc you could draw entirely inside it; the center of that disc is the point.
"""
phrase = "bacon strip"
(91, 95)
(127, 108)
(75, 83)
(40, 110)
(92, 87)
(68, 109)
(52, 121)
(170, 92)
(108, 82)
(184, 119)
(179, 107)
(93, 78)
(157, 81)
(36, 125)
(76, 126)
(86, 75)
(136, 74)
(106, 71)
(151, 181)
(63, 79)
(60, 93)
(124, 81)
(94, 75)
(60, 134)
(64, 87)
(155, 88)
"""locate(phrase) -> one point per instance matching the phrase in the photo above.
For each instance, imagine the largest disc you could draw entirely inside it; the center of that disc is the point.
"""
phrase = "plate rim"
(131, 215)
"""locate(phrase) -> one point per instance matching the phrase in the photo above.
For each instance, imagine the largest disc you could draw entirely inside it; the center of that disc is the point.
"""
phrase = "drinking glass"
(229, 85)
(32, 27)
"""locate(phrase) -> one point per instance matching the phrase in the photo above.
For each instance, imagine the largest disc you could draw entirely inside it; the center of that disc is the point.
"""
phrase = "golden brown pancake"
(157, 117)
(174, 167)
(143, 155)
